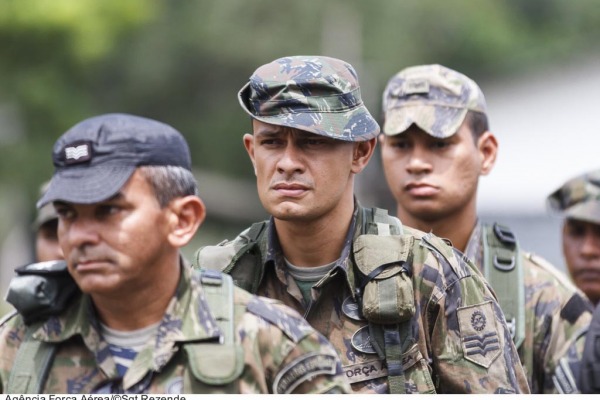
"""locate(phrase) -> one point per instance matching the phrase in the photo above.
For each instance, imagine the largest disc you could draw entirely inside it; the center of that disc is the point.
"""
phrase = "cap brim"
(438, 121)
(588, 211)
(355, 125)
(86, 185)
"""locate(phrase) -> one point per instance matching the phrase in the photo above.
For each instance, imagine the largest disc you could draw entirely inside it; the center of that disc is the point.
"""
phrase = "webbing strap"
(393, 356)
(31, 366)
(377, 221)
(218, 290)
(503, 270)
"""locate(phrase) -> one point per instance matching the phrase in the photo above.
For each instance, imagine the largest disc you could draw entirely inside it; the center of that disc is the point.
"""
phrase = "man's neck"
(457, 227)
(138, 307)
(318, 242)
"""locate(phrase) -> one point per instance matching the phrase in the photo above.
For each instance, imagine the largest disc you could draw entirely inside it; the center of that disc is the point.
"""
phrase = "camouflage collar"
(273, 254)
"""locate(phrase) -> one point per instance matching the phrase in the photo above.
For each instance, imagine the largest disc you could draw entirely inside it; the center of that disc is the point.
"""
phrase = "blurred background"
(182, 62)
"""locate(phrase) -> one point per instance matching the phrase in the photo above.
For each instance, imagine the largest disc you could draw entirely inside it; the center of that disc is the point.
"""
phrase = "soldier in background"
(436, 145)
(578, 200)
(45, 228)
(406, 314)
(139, 319)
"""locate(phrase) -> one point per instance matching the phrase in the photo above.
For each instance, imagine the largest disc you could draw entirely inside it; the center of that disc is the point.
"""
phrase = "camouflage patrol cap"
(433, 97)
(579, 198)
(46, 213)
(311, 93)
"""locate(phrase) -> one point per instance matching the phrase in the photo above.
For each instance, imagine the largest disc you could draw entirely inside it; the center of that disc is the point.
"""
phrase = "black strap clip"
(505, 235)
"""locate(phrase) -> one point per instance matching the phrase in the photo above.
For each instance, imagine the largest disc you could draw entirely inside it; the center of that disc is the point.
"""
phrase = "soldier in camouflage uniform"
(405, 312)
(435, 146)
(45, 228)
(579, 202)
(139, 319)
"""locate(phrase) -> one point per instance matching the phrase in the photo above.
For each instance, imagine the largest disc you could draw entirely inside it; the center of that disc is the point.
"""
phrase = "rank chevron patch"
(480, 339)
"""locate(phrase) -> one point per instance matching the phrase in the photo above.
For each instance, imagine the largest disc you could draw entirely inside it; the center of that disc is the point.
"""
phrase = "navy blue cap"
(96, 157)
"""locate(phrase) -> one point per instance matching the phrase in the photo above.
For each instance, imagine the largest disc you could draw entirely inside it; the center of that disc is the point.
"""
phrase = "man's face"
(431, 178)
(581, 248)
(300, 175)
(47, 247)
(118, 245)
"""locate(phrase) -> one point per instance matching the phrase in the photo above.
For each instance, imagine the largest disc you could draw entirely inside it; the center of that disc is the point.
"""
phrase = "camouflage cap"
(46, 213)
(433, 97)
(311, 93)
(579, 198)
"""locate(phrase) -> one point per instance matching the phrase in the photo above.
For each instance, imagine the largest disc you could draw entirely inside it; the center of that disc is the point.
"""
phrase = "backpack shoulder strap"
(502, 267)
(32, 364)
(240, 258)
(388, 338)
(218, 290)
(377, 221)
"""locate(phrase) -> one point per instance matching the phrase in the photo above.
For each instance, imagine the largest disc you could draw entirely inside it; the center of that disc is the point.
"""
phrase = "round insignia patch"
(361, 341)
(351, 310)
(478, 321)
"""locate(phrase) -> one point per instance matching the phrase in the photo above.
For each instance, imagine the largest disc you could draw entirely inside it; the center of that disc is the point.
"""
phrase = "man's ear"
(362, 153)
(185, 217)
(249, 145)
(488, 149)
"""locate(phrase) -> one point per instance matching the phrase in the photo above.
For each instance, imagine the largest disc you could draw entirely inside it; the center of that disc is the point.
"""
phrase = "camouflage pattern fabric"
(459, 341)
(579, 198)
(555, 311)
(279, 352)
(433, 97)
(311, 93)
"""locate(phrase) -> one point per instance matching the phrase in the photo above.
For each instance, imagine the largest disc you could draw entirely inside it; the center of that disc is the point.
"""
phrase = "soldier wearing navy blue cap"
(128, 315)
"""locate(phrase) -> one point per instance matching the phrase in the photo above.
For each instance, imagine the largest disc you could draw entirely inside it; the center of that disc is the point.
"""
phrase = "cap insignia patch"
(415, 86)
(78, 153)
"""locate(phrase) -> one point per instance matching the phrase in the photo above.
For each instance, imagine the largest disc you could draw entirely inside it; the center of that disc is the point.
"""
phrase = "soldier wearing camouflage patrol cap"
(45, 228)
(578, 201)
(125, 313)
(436, 143)
(405, 312)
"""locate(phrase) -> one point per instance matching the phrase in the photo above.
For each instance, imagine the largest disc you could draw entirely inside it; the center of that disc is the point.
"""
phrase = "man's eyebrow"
(267, 133)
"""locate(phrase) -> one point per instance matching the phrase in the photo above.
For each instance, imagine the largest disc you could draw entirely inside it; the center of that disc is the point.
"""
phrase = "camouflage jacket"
(555, 311)
(459, 341)
(276, 350)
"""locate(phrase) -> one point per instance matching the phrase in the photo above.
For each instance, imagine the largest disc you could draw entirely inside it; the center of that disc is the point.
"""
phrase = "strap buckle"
(503, 264)
(504, 234)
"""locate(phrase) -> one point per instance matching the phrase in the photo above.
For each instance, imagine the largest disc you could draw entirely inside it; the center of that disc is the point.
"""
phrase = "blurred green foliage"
(183, 61)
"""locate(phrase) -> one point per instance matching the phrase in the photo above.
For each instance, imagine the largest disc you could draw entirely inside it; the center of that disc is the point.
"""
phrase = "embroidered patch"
(415, 86)
(478, 321)
(78, 152)
(351, 310)
(361, 341)
(302, 369)
(481, 342)
(365, 371)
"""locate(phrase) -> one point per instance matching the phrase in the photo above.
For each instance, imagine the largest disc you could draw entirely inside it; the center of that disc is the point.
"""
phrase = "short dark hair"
(169, 182)
(477, 123)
